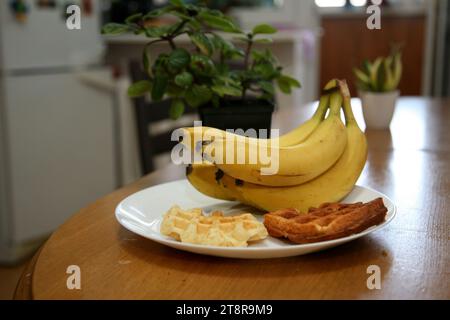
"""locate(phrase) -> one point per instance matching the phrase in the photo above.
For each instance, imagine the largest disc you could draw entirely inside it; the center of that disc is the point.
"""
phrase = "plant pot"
(378, 108)
(239, 114)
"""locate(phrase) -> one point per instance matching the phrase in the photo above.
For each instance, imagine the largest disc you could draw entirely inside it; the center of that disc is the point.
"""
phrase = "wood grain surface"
(410, 164)
(347, 42)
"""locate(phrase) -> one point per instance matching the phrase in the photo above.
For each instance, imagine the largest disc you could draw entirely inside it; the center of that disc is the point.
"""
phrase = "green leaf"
(264, 29)
(383, 77)
(226, 48)
(397, 68)
(193, 10)
(227, 91)
(134, 18)
(218, 42)
(292, 82)
(179, 58)
(284, 85)
(374, 70)
(176, 109)
(154, 14)
(259, 56)
(361, 77)
(202, 65)
(267, 87)
(158, 32)
(177, 3)
(389, 71)
(115, 29)
(235, 54)
(218, 22)
(367, 66)
(184, 79)
(202, 42)
(215, 12)
(194, 24)
(139, 88)
(159, 87)
(160, 65)
(247, 75)
(226, 80)
(265, 70)
(265, 56)
(264, 41)
(198, 95)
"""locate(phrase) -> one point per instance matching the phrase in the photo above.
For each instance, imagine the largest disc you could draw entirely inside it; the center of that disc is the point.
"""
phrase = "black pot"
(239, 114)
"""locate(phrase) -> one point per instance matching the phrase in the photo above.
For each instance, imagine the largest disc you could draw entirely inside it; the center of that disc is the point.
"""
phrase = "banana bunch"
(301, 155)
(321, 165)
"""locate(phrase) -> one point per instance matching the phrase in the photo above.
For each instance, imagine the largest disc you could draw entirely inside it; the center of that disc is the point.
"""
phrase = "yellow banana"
(296, 164)
(207, 179)
(298, 135)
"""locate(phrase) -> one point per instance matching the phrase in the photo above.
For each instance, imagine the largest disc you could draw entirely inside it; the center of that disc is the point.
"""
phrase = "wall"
(347, 43)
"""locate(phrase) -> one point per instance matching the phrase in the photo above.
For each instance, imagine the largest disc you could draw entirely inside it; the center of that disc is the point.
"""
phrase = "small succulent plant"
(203, 75)
(382, 75)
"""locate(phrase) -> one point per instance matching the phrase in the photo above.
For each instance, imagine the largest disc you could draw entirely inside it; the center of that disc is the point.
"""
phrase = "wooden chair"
(149, 114)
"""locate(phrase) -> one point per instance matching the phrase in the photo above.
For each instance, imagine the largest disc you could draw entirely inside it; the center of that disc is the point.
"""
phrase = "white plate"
(142, 213)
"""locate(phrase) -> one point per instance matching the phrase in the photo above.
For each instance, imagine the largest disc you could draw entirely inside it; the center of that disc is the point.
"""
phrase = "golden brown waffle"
(329, 221)
(191, 226)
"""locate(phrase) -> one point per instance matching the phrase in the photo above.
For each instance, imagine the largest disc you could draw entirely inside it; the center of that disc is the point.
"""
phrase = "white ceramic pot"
(378, 108)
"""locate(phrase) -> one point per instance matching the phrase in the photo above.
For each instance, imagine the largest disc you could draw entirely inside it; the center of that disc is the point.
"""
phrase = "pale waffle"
(191, 226)
(329, 221)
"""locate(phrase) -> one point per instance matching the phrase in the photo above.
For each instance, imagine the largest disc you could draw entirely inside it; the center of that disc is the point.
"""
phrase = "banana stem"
(335, 103)
(322, 108)
(348, 112)
(331, 85)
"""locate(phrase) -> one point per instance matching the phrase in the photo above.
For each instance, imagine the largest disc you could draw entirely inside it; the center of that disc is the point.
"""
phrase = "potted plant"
(377, 82)
(227, 97)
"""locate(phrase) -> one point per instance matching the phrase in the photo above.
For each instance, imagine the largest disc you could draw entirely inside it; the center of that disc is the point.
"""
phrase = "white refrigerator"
(57, 145)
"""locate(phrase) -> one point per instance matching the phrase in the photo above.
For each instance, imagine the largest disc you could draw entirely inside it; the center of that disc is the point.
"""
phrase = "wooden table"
(411, 164)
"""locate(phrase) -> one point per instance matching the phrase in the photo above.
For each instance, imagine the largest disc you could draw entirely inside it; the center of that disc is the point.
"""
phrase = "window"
(339, 3)
(330, 3)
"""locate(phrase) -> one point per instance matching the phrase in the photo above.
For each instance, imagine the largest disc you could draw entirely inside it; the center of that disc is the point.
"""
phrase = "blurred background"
(68, 129)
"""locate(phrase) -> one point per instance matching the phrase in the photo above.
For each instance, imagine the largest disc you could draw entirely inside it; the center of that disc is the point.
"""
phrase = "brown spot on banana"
(219, 175)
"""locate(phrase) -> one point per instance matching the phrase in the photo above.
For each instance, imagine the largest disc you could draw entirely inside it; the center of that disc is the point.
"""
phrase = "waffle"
(329, 221)
(191, 226)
